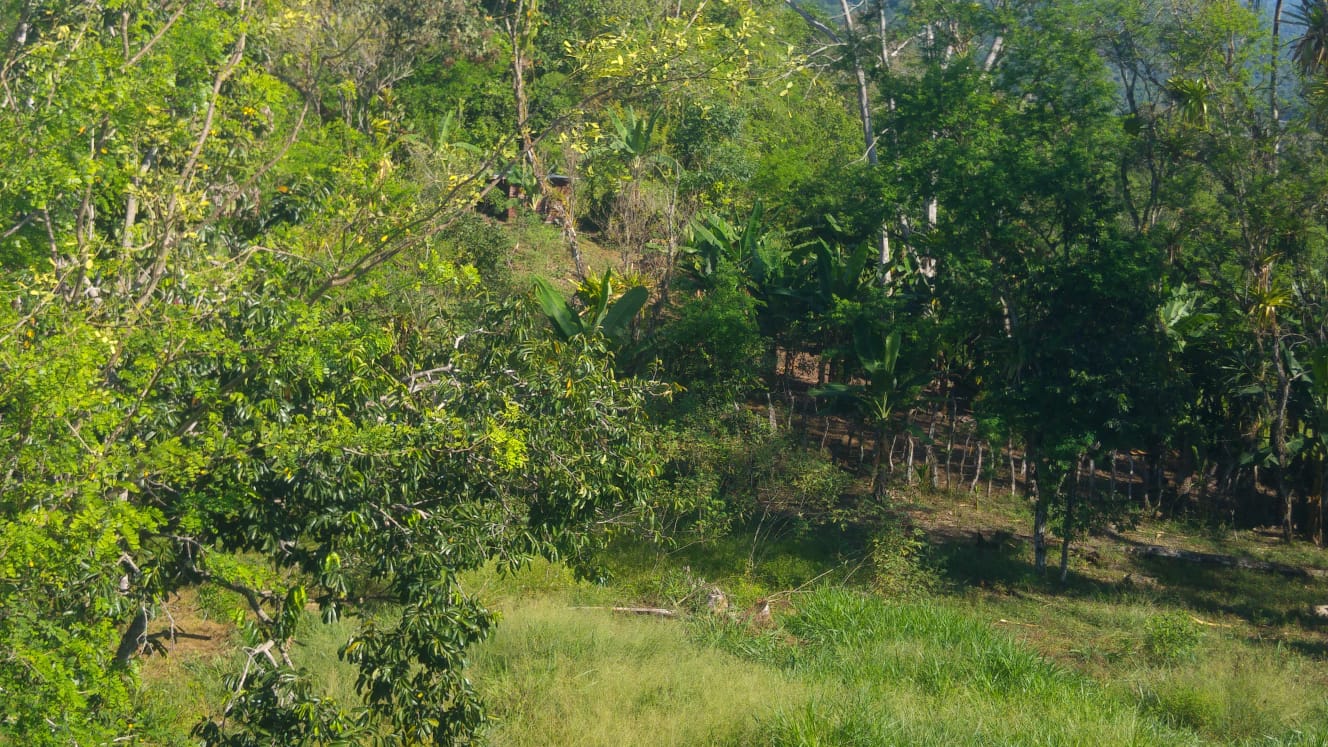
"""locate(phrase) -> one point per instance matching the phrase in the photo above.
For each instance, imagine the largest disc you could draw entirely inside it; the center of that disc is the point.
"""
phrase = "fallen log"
(1230, 561)
(652, 611)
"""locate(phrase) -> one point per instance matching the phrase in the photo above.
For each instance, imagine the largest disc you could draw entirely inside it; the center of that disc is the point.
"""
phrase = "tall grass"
(927, 672)
(557, 675)
(1095, 665)
(1241, 696)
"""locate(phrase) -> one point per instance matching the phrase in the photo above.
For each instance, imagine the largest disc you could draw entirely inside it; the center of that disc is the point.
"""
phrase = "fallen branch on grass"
(652, 611)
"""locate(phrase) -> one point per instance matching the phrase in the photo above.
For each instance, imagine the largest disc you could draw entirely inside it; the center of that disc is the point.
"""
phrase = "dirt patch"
(182, 632)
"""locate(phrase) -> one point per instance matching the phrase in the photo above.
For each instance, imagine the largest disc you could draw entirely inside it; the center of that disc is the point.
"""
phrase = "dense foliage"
(266, 330)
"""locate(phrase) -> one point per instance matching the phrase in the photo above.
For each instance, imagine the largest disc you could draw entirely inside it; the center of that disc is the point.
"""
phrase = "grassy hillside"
(878, 636)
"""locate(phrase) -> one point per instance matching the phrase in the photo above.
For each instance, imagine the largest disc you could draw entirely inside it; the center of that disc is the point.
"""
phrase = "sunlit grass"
(1184, 661)
(930, 672)
(557, 675)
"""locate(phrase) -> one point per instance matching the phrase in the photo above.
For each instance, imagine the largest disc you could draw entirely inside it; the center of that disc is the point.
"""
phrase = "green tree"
(1020, 158)
(238, 352)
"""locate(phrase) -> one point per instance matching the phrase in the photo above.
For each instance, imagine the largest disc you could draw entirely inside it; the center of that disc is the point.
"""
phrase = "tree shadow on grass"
(1257, 597)
(987, 560)
(779, 557)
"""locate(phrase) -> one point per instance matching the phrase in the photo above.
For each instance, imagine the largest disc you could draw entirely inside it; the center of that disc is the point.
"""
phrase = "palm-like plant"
(1191, 99)
(1310, 51)
(887, 387)
(633, 135)
(751, 248)
(602, 314)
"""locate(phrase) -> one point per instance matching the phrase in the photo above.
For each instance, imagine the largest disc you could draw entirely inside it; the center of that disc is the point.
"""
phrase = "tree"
(237, 353)
(1029, 266)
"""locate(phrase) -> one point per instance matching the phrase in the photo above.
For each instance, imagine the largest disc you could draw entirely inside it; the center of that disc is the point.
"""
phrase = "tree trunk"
(1129, 486)
(1111, 489)
(1009, 448)
(573, 241)
(133, 639)
(977, 470)
(131, 202)
(1067, 525)
(932, 461)
(1152, 465)
(995, 460)
(908, 463)
(1039, 526)
(950, 441)
(1323, 501)
(1045, 483)
(865, 117)
(515, 32)
(877, 479)
(864, 93)
(1284, 494)
(1273, 108)
(963, 458)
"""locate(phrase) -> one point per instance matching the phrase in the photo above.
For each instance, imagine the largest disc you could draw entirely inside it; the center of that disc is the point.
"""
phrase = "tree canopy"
(321, 305)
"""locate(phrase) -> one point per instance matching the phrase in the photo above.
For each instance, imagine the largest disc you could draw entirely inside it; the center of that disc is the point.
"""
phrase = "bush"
(478, 241)
(900, 565)
(723, 468)
(1171, 637)
(711, 347)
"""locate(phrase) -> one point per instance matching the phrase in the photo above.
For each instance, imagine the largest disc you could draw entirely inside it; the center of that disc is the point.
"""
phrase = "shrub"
(722, 468)
(1171, 637)
(900, 564)
(710, 347)
(477, 241)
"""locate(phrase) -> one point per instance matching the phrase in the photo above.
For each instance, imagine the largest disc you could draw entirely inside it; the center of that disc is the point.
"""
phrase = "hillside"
(713, 371)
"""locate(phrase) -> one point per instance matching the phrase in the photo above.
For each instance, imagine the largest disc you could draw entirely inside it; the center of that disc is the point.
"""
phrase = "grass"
(930, 672)
(846, 667)
(560, 675)
(862, 652)
(541, 250)
(998, 655)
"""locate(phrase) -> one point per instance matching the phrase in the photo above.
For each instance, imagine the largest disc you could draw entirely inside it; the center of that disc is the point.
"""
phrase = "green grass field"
(909, 644)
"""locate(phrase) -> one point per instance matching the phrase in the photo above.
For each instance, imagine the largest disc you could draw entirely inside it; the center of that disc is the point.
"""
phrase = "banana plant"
(714, 241)
(1182, 316)
(886, 388)
(839, 272)
(633, 135)
(602, 314)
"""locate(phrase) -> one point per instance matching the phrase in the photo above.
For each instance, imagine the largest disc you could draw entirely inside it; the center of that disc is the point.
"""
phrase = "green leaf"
(623, 310)
(565, 321)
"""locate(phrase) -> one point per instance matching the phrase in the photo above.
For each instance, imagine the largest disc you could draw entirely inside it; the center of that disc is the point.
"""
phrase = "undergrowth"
(875, 639)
